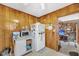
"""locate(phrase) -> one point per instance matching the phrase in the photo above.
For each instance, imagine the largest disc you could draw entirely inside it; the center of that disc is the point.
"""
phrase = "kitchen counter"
(24, 37)
(20, 45)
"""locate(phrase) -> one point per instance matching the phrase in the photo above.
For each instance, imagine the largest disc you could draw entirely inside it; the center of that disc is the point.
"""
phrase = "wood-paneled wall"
(7, 17)
(52, 37)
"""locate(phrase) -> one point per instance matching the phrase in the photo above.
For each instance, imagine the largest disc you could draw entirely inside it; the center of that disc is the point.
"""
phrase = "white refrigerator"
(38, 32)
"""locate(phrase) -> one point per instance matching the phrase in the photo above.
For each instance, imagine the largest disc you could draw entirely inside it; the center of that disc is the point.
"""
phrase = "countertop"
(24, 37)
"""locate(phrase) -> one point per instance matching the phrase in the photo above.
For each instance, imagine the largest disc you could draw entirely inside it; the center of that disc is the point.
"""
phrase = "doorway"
(68, 34)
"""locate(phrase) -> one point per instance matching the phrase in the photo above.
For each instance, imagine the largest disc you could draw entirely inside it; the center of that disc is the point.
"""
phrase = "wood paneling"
(31, 21)
(1, 29)
(73, 8)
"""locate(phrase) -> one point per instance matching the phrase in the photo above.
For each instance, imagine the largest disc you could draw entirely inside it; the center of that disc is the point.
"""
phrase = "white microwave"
(24, 33)
(15, 35)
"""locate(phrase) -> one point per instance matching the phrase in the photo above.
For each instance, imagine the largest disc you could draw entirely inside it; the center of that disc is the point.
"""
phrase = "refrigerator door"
(41, 28)
(39, 43)
(41, 37)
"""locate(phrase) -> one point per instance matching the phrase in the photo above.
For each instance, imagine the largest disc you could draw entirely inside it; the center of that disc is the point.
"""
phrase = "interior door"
(52, 38)
(77, 34)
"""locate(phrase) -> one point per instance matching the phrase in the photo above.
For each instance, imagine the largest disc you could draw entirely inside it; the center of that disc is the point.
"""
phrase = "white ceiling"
(37, 9)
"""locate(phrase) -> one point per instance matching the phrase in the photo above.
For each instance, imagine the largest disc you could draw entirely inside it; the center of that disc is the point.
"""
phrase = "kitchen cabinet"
(22, 45)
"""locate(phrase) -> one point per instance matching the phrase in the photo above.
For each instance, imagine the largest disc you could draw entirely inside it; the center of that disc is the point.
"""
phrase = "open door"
(71, 28)
(77, 34)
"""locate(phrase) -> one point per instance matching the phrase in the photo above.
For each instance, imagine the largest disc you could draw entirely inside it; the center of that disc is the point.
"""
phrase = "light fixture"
(42, 6)
(26, 4)
(16, 21)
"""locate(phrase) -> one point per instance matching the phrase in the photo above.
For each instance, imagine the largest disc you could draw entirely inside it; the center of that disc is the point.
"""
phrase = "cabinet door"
(20, 47)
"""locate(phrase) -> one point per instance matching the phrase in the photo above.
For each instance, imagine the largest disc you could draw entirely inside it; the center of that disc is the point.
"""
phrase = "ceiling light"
(26, 4)
(42, 6)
